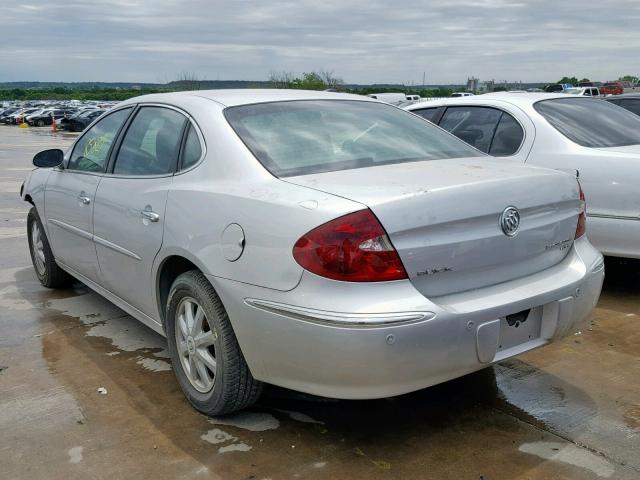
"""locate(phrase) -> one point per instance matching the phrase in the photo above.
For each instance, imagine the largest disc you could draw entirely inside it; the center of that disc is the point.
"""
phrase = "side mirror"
(48, 158)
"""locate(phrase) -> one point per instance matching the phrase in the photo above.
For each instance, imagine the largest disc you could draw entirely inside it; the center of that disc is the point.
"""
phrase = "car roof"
(624, 95)
(519, 99)
(234, 97)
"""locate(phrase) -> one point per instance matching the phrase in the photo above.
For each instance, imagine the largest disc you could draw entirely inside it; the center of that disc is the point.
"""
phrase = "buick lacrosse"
(323, 242)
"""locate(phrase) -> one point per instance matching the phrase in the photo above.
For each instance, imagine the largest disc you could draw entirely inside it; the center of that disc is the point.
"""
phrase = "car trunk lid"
(444, 217)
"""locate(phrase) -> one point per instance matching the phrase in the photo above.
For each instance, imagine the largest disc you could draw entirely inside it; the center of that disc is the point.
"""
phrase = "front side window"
(474, 125)
(590, 122)
(91, 151)
(151, 144)
(311, 136)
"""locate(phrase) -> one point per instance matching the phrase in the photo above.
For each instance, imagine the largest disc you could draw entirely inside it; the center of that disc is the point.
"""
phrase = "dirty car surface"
(322, 242)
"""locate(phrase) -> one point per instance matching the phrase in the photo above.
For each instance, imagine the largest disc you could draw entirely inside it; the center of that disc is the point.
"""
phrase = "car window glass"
(90, 153)
(508, 137)
(474, 125)
(192, 149)
(631, 105)
(311, 136)
(150, 146)
(428, 113)
(591, 122)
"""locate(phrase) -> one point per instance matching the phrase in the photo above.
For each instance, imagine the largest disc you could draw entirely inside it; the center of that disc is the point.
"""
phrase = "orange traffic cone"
(53, 124)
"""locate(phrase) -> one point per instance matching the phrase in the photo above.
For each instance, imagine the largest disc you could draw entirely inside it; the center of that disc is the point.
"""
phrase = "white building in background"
(472, 84)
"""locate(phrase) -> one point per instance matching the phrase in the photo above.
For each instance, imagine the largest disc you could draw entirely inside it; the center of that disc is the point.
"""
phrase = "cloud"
(362, 41)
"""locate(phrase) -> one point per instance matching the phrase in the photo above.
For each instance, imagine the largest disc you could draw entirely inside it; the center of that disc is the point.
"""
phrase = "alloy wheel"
(195, 342)
(38, 248)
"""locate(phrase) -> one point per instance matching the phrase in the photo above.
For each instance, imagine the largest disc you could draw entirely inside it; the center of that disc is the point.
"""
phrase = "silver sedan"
(326, 243)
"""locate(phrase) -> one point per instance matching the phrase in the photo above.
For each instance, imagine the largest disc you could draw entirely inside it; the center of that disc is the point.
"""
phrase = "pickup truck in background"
(584, 91)
(619, 87)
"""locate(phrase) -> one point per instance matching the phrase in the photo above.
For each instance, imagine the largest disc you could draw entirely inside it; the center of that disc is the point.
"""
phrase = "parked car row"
(617, 87)
(72, 117)
(351, 249)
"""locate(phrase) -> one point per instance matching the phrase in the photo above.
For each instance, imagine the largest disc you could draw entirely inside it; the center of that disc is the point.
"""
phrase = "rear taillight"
(582, 218)
(353, 248)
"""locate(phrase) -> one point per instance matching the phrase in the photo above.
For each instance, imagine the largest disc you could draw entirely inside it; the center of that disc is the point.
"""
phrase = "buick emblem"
(510, 221)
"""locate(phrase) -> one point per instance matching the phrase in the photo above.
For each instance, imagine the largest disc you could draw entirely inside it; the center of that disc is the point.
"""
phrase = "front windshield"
(312, 136)
(590, 122)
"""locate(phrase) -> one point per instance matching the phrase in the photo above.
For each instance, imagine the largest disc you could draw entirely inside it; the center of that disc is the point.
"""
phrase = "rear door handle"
(149, 215)
(83, 199)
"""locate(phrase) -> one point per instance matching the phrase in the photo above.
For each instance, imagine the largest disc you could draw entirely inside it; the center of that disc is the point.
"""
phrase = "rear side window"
(507, 138)
(590, 122)
(151, 144)
(474, 125)
(428, 113)
(192, 149)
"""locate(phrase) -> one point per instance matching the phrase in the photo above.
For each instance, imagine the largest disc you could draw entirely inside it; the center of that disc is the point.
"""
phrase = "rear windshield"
(310, 136)
(590, 122)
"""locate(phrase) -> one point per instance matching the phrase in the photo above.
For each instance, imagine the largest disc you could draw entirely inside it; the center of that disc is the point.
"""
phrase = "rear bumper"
(377, 340)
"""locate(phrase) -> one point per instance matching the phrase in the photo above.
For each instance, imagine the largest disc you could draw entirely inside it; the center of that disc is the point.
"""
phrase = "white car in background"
(599, 140)
(584, 91)
(396, 99)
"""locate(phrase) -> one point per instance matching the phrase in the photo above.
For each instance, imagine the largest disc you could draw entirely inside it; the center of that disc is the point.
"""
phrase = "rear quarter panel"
(231, 186)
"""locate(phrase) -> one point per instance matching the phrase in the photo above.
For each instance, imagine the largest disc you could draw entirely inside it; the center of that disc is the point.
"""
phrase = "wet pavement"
(567, 411)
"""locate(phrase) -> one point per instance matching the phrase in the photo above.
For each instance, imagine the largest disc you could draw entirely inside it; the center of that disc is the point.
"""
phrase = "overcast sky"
(361, 41)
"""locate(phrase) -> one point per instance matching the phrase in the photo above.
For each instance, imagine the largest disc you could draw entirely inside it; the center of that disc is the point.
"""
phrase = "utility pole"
(423, 79)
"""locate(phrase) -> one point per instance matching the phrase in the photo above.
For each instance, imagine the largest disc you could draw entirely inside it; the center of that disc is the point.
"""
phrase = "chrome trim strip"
(339, 319)
(94, 238)
(612, 217)
(114, 247)
(71, 228)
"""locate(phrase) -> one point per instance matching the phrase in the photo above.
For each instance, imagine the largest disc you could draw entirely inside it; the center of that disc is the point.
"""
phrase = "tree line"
(574, 80)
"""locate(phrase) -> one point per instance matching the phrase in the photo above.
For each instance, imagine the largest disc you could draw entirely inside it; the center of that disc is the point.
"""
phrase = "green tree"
(571, 80)
(309, 81)
(17, 93)
(630, 78)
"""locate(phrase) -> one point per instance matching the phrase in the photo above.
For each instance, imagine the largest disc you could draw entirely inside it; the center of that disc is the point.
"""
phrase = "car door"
(130, 203)
(70, 193)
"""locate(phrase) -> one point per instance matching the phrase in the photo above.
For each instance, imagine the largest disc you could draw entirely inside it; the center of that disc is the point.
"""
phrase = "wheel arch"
(169, 267)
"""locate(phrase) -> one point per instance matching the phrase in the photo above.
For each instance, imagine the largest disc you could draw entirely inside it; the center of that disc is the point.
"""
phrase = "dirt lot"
(566, 411)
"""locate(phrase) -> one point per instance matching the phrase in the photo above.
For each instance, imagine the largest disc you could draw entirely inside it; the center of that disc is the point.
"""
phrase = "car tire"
(40, 123)
(231, 387)
(44, 263)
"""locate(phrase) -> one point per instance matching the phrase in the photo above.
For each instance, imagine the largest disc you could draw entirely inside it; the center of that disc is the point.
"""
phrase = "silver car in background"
(322, 242)
(567, 132)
